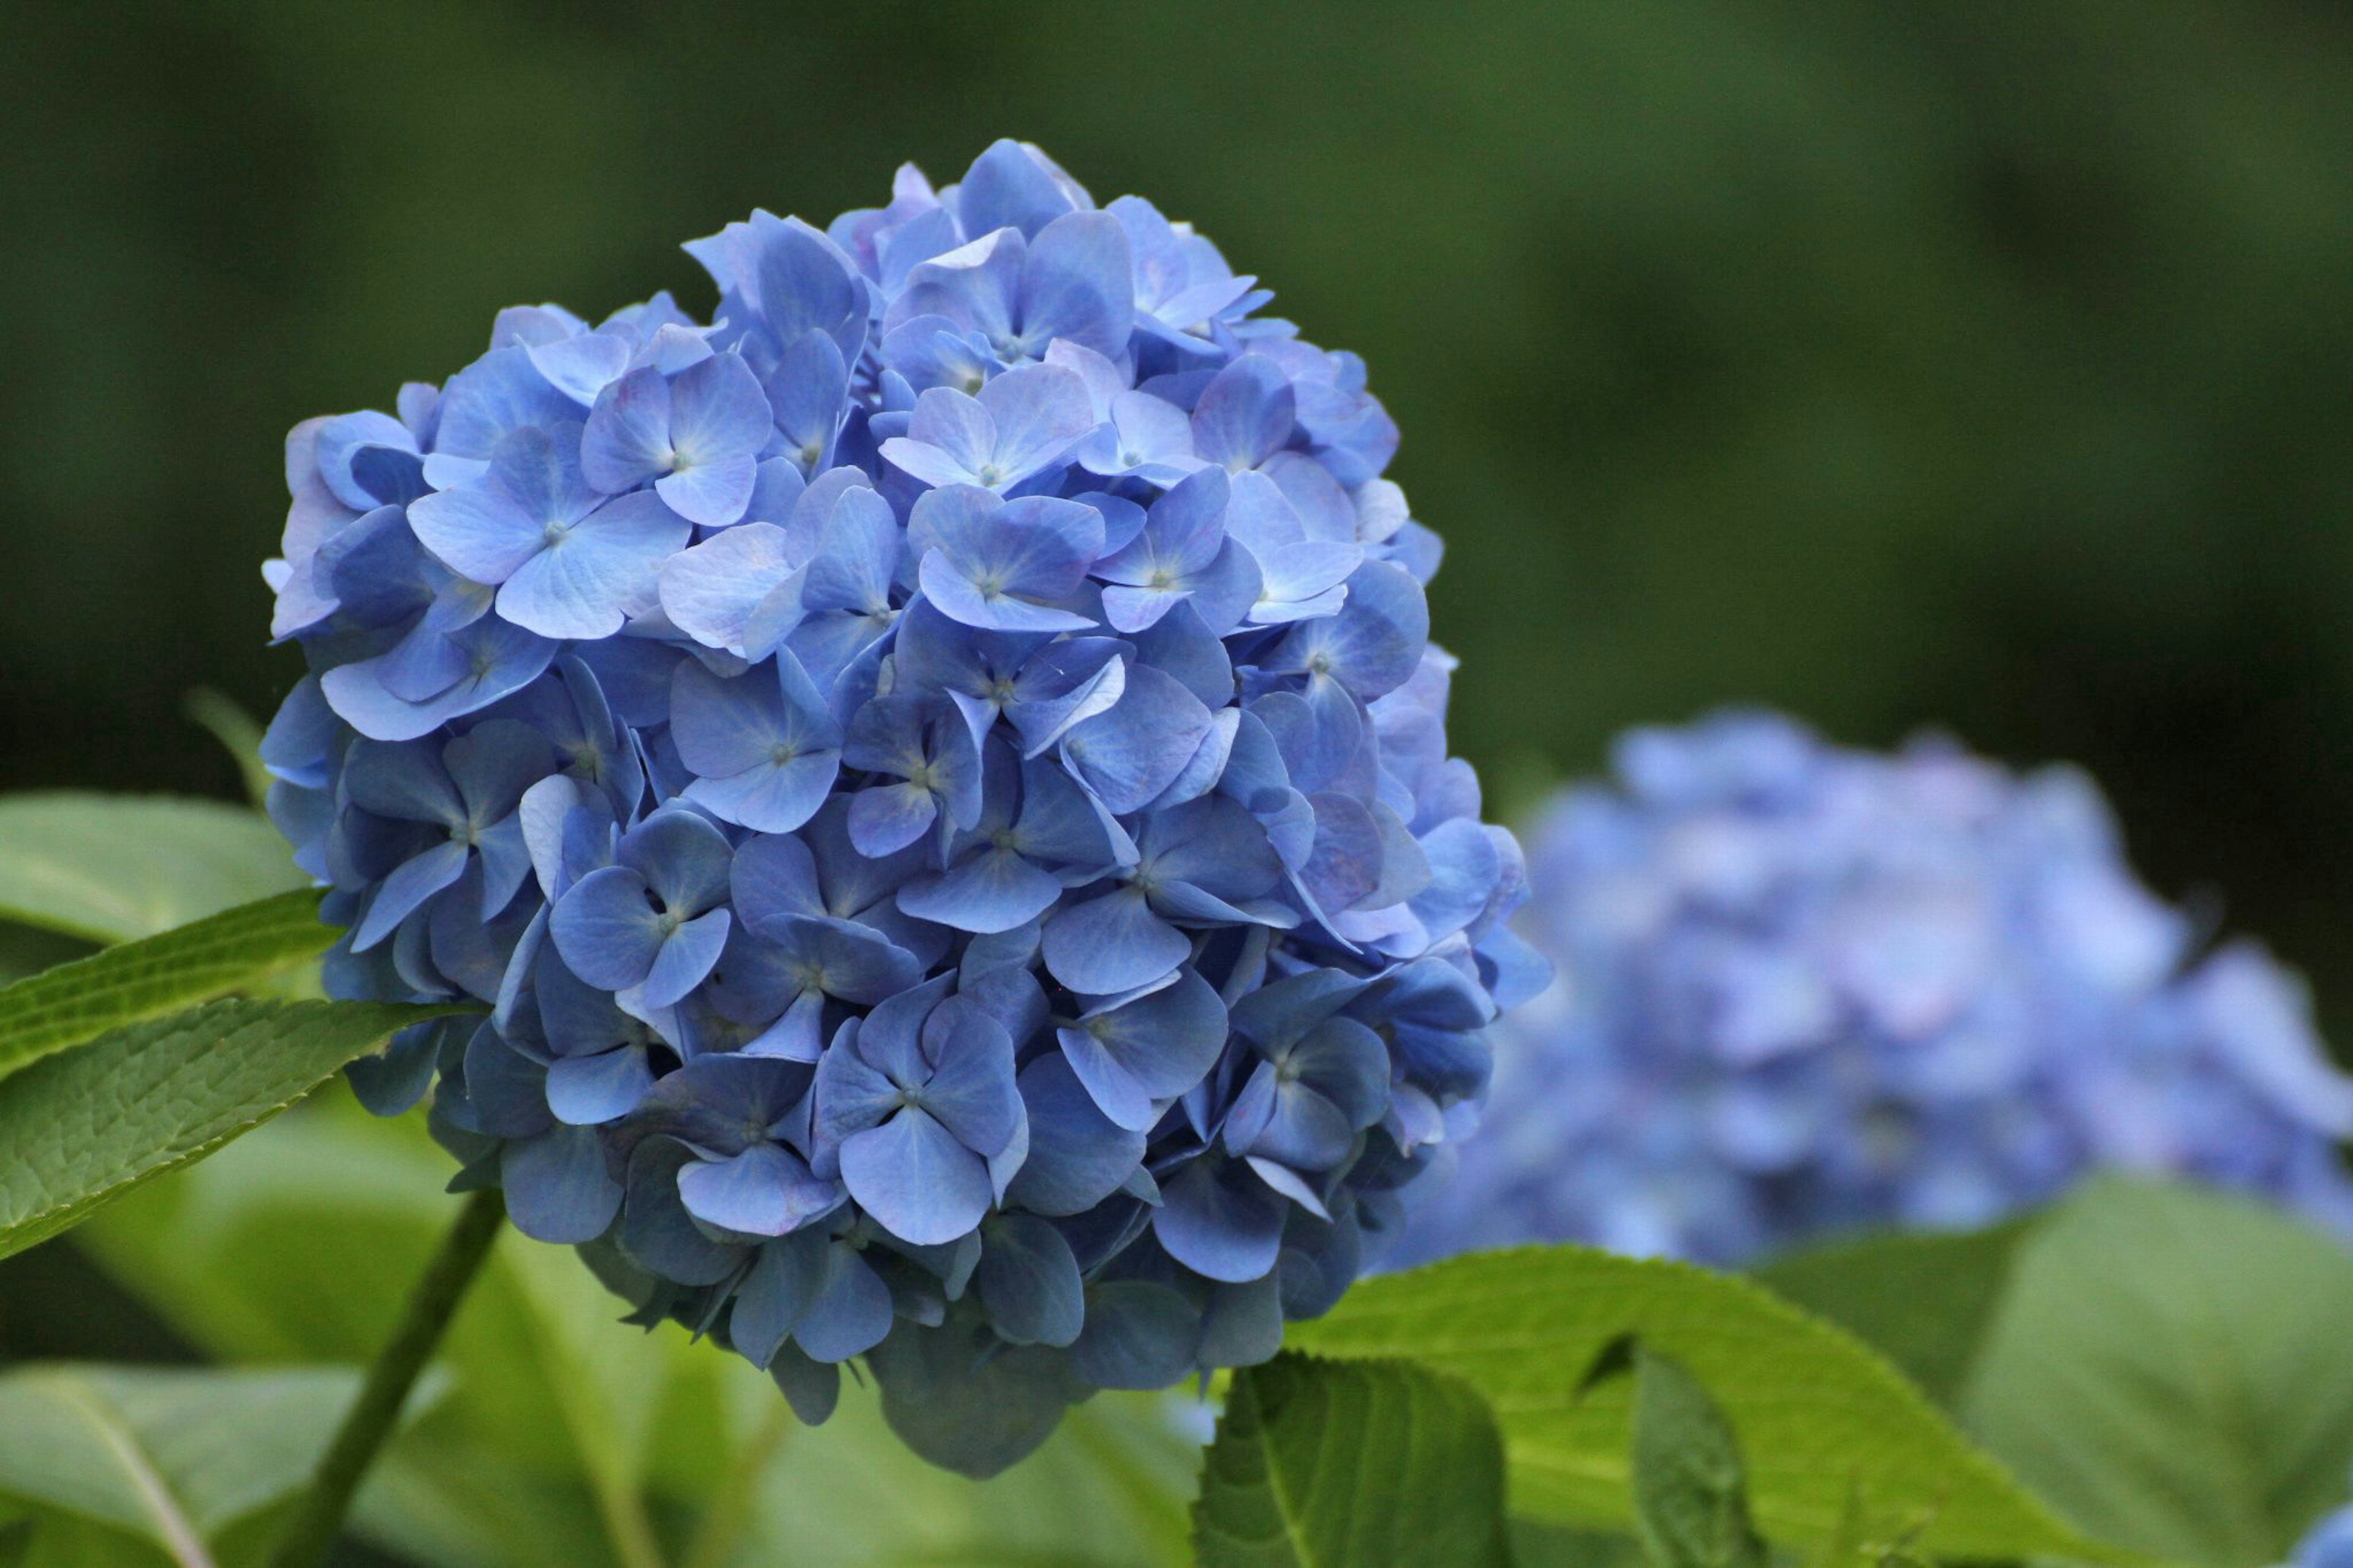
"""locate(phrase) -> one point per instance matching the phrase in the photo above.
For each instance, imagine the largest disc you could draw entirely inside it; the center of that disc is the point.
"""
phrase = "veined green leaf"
(171, 1456)
(153, 975)
(79, 1130)
(1818, 1414)
(1691, 1489)
(1925, 1300)
(2173, 1368)
(1367, 1464)
(111, 867)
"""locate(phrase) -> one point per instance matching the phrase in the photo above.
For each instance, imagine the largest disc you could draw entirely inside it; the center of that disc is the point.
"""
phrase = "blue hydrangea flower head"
(938, 776)
(1803, 989)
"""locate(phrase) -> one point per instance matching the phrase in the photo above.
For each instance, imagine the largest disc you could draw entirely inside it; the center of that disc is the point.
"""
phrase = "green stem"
(373, 1415)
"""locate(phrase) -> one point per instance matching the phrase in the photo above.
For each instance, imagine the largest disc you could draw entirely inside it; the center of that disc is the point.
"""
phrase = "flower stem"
(373, 1415)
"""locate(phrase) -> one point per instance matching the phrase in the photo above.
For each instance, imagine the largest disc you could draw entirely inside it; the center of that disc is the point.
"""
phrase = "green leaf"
(1691, 1490)
(2171, 1368)
(238, 733)
(174, 1456)
(111, 868)
(1922, 1300)
(79, 1129)
(1322, 1463)
(1817, 1412)
(157, 974)
(297, 1244)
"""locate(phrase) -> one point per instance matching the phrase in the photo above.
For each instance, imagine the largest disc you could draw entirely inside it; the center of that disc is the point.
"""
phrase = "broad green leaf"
(239, 733)
(79, 1129)
(1818, 1413)
(111, 868)
(1374, 1463)
(1923, 1300)
(1691, 1490)
(2174, 1368)
(172, 1456)
(157, 974)
(297, 1244)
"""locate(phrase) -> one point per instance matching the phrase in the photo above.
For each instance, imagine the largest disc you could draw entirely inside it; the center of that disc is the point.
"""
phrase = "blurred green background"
(1978, 365)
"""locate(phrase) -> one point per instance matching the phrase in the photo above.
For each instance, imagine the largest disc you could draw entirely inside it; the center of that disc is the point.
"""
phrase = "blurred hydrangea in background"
(1803, 990)
(942, 776)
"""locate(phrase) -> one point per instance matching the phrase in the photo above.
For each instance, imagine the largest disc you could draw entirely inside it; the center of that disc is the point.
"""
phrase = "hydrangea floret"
(1804, 989)
(940, 777)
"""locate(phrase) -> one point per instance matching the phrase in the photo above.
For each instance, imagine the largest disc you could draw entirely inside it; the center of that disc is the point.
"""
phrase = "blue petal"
(764, 1191)
(1029, 1281)
(889, 817)
(1245, 414)
(774, 878)
(585, 1092)
(1111, 944)
(1078, 1157)
(609, 936)
(1135, 751)
(1374, 644)
(1134, 1056)
(1007, 188)
(1079, 285)
(503, 658)
(626, 439)
(656, 1230)
(808, 391)
(406, 889)
(849, 1096)
(916, 1180)
(782, 1283)
(557, 1187)
(1218, 1220)
(712, 591)
(852, 1310)
(856, 556)
(602, 570)
(1138, 1336)
(716, 492)
(406, 782)
(992, 891)
(971, 1087)
(687, 955)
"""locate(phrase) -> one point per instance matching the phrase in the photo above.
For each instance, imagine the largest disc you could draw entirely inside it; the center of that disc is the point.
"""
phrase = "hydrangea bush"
(941, 776)
(1804, 990)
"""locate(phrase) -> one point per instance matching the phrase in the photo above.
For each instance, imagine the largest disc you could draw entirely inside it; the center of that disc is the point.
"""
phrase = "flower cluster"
(940, 774)
(1806, 989)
